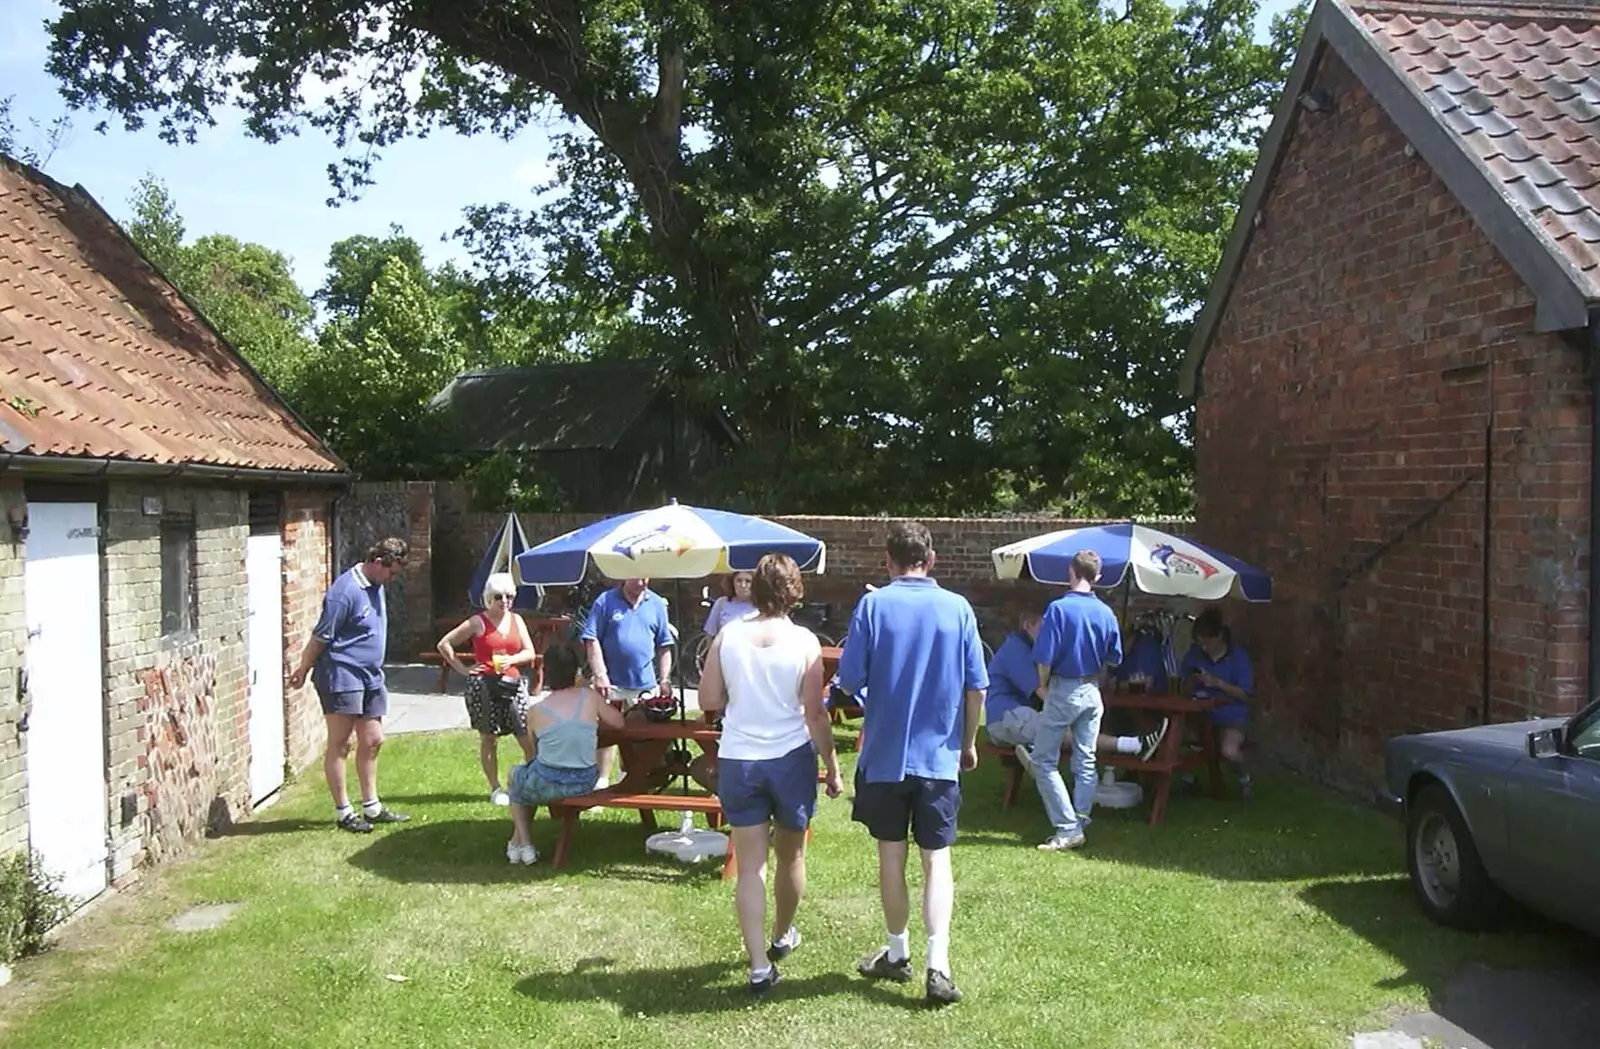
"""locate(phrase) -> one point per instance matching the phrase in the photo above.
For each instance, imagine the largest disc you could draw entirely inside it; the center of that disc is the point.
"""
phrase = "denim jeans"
(1072, 707)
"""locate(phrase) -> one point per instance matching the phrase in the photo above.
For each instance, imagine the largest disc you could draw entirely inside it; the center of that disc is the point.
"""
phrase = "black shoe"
(941, 989)
(1151, 741)
(766, 983)
(355, 823)
(778, 950)
(388, 815)
(879, 967)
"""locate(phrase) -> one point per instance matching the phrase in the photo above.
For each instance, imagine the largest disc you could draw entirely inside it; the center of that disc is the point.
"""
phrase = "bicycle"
(817, 617)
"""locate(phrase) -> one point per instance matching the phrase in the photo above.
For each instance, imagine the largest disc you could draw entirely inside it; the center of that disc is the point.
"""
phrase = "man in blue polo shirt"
(344, 657)
(629, 644)
(913, 655)
(1078, 639)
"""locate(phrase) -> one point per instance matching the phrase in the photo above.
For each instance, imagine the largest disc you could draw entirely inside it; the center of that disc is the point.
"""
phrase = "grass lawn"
(1285, 922)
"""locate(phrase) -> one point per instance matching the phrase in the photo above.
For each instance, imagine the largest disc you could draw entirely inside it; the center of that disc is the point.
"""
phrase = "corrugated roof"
(547, 407)
(101, 358)
(1503, 102)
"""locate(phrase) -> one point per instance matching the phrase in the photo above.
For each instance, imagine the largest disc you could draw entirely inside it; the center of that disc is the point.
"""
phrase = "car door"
(1553, 810)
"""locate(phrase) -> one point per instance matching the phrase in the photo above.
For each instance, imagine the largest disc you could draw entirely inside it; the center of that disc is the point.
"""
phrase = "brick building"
(165, 530)
(1393, 376)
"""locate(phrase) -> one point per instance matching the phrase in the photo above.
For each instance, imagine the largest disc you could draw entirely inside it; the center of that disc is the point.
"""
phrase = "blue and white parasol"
(669, 542)
(1162, 563)
(501, 556)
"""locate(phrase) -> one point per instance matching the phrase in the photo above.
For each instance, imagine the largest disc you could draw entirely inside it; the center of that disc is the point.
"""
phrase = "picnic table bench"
(1169, 759)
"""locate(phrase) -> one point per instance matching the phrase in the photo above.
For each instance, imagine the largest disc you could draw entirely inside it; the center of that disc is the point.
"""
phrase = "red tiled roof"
(101, 358)
(1520, 84)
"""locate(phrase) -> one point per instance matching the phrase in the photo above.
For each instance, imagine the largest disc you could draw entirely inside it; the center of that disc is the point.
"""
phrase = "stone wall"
(13, 636)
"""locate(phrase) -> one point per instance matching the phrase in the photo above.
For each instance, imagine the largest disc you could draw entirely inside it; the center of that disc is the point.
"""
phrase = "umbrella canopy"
(669, 542)
(501, 556)
(1162, 563)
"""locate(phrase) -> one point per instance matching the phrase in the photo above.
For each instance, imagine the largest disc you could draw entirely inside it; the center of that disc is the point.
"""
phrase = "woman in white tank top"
(766, 673)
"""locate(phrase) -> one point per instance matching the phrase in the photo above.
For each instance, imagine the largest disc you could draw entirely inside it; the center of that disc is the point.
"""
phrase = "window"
(1583, 734)
(179, 600)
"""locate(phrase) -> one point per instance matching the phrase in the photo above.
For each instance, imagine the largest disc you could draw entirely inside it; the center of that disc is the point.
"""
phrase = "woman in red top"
(497, 691)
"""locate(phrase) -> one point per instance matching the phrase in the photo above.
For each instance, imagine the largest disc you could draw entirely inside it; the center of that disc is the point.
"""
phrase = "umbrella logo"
(658, 540)
(1174, 563)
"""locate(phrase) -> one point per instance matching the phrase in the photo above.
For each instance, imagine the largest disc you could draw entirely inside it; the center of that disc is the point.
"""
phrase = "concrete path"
(415, 705)
(1502, 1009)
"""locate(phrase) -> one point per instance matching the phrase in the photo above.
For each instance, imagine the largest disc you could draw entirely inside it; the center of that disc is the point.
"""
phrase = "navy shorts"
(362, 703)
(927, 807)
(782, 789)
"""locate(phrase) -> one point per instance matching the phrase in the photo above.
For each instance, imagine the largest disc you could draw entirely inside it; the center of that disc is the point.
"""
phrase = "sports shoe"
(1060, 842)
(1151, 740)
(760, 986)
(355, 823)
(513, 852)
(941, 989)
(1246, 790)
(878, 966)
(499, 797)
(1025, 755)
(527, 855)
(784, 946)
(388, 815)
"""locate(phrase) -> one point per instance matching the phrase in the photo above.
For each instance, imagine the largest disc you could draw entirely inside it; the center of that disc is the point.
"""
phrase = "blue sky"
(276, 195)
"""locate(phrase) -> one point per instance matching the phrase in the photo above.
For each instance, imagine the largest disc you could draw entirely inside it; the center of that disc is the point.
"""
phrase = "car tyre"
(1447, 875)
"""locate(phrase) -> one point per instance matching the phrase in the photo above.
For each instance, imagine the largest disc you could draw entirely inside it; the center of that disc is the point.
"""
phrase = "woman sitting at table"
(496, 690)
(767, 673)
(565, 723)
(1217, 669)
(734, 604)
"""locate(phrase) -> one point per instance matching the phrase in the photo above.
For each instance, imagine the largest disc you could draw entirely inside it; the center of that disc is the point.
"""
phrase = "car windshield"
(1585, 738)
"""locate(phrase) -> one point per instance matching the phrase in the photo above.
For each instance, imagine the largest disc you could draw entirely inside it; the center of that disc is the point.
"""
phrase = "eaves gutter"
(88, 467)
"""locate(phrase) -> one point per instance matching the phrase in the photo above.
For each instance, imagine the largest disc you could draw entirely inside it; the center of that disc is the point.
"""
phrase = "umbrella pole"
(1127, 595)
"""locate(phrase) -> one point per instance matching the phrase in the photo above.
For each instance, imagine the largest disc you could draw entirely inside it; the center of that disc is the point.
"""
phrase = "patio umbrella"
(669, 542)
(1160, 563)
(501, 556)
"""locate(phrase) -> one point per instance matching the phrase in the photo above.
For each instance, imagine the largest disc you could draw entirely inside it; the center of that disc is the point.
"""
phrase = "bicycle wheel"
(694, 649)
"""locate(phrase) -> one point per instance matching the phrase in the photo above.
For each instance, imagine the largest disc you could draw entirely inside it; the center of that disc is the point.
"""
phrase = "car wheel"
(1447, 876)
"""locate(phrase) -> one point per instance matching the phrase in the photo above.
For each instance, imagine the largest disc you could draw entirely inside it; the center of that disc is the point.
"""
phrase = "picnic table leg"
(1158, 807)
(648, 818)
(730, 865)
(1013, 782)
(569, 826)
(444, 677)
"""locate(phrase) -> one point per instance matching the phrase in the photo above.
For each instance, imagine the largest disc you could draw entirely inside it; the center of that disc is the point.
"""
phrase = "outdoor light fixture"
(17, 518)
(1315, 100)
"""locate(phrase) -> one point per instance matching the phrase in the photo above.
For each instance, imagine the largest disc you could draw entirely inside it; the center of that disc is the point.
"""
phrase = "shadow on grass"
(473, 851)
(254, 827)
(400, 801)
(1527, 984)
(686, 990)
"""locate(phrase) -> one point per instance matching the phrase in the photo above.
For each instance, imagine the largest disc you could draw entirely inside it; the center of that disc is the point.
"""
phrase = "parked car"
(1501, 810)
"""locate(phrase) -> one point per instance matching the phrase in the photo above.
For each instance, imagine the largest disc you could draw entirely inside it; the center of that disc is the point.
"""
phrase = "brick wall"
(13, 636)
(307, 573)
(1372, 335)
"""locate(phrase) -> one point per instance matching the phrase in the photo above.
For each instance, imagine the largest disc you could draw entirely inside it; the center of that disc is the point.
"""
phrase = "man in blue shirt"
(628, 641)
(344, 657)
(1012, 710)
(913, 655)
(1219, 670)
(1078, 639)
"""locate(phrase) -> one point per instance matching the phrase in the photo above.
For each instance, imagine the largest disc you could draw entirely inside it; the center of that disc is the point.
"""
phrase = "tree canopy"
(938, 256)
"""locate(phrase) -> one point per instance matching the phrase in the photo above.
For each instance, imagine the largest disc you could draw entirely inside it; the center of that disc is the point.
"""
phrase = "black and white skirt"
(494, 709)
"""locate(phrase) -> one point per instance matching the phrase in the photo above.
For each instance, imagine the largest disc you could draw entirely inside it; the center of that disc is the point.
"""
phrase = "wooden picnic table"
(1170, 759)
(542, 630)
(644, 746)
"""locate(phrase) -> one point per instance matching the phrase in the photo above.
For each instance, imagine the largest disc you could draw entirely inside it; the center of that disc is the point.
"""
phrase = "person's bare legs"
(789, 879)
(334, 754)
(369, 740)
(750, 894)
(521, 824)
(938, 902)
(489, 758)
(1230, 744)
(525, 741)
(892, 886)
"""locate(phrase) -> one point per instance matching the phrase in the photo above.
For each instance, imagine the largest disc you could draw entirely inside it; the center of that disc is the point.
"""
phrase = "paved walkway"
(415, 705)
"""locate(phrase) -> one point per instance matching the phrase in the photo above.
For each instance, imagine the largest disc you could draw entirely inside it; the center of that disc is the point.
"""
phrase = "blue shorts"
(362, 703)
(1230, 715)
(782, 789)
(927, 807)
(538, 783)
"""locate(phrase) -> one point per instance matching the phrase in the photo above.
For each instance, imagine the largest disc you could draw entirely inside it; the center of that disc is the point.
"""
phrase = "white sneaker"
(528, 855)
(513, 852)
(500, 797)
(600, 784)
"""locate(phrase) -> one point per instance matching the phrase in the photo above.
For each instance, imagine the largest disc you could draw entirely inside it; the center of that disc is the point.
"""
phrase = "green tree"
(933, 256)
(245, 290)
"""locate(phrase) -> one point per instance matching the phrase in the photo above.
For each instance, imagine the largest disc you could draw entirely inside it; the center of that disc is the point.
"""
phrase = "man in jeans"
(1078, 638)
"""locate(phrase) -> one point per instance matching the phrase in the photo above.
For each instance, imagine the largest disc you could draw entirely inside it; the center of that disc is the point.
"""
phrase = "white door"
(68, 810)
(264, 587)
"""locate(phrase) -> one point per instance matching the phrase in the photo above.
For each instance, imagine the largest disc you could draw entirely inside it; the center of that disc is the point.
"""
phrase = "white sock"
(790, 938)
(899, 946)
(343, 810)
(373, 807)
(1128, 745)
(757, 975)
(939, 954)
